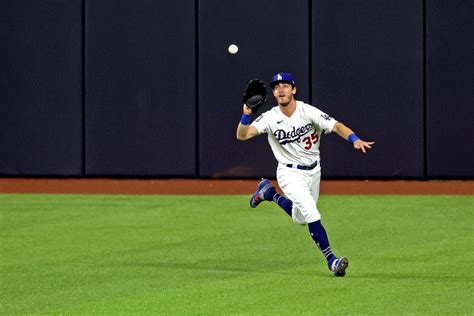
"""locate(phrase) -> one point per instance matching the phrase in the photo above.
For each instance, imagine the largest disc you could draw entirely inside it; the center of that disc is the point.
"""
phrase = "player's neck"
(289, 108)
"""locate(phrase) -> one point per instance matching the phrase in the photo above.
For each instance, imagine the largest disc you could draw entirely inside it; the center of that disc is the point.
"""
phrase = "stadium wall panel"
(140, 88)
(450, 89)
(268, 43)
(40, 88)
(367, 64)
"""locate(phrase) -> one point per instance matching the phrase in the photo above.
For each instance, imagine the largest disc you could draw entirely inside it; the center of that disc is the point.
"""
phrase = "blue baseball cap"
(282, 77)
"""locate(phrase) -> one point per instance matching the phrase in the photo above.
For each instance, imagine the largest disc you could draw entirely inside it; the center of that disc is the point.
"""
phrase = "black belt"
(303, 167)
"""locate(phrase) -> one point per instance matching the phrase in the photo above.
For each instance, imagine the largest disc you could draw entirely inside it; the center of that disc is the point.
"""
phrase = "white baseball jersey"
(295, 139)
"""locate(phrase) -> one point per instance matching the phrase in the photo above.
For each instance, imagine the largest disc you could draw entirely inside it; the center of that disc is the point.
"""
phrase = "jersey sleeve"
(323, 120)
(260, 123)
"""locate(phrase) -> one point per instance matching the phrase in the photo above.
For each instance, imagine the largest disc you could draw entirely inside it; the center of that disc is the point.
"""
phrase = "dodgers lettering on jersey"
(295, 139)
(294, 135)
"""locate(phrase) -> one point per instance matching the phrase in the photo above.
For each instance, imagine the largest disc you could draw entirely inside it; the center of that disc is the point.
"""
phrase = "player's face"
(284, 93)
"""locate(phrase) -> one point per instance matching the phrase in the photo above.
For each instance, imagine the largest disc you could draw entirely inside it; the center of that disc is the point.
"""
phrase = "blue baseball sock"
(318, 233)
(283, 202)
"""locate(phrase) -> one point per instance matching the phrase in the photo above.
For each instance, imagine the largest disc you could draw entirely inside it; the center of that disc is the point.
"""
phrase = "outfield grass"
(90, 254)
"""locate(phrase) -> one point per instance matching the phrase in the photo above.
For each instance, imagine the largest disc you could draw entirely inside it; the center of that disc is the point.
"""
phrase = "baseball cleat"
(339, 267)
(259, 195)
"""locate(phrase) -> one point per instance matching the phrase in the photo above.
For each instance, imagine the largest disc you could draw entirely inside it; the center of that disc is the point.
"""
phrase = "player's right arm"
(245, 132)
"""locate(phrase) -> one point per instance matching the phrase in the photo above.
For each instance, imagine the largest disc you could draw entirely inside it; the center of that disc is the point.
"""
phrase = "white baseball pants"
(302, 188)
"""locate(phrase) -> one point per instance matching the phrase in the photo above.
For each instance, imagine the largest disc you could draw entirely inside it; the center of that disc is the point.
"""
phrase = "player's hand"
(363, 145)
(247, 110)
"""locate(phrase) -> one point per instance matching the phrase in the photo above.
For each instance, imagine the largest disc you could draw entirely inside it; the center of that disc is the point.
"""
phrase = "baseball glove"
(255, 94)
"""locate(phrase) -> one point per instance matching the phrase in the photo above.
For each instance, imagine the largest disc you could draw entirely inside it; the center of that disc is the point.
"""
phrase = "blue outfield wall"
(40, 88)
(148, 89)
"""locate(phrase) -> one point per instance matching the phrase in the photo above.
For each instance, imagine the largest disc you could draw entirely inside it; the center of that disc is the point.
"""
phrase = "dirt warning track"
(206, 186)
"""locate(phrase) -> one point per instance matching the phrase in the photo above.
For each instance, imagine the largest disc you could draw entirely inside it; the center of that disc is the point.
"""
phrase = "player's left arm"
(346, 133)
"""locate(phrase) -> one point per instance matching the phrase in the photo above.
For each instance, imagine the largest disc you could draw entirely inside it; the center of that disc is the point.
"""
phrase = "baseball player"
(294, 131)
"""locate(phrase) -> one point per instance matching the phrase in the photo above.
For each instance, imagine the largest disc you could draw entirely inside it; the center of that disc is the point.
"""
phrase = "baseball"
(233, 49)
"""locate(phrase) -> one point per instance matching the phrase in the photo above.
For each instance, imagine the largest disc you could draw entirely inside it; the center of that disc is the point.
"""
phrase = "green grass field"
(122, 254)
